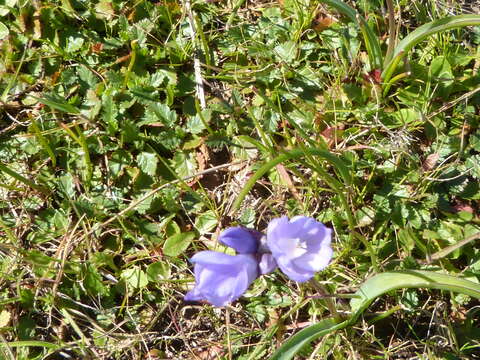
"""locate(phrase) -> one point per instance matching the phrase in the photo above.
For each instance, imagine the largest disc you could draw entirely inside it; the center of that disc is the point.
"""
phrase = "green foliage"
(113, 174)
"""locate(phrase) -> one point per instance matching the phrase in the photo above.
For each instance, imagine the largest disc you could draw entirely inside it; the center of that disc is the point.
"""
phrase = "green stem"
(338, 164)
(329, 301)
(234, 12)
(23, 179)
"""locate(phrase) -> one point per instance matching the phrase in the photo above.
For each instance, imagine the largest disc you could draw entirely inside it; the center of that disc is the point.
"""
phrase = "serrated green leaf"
(147, 162)
(167, 116)
(287, 51)
(74, 43)
(206, 222)
(184, 164)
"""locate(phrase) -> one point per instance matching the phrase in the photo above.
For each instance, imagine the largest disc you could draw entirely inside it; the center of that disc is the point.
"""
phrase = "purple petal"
(193, 295)
(292, 271)
(267, 264)
(318, 236)
(314, 261)
(244, 241)
(249, 272)
(280, 235)
(301, 246)
(212, 258)
(221, 278)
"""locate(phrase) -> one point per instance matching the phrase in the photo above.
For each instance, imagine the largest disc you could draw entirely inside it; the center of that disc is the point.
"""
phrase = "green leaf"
(3, 31)
(135, 277)
(110, 111)
(43, 141)
(441, 71)
(29, 343)
(206, 222)
(184, 164)
(6, 6)
(57, 103)
(406, 116)
(287, 51)
(178, 243)
(167, 116)
(389, 281)
(66, 185)
(74, 43)
(424, 31)
(159, 271)
(93, 282)
(147, 162)
(295, 343)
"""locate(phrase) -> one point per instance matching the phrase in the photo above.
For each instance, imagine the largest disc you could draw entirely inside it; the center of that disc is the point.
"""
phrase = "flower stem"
(229, 342)
(329, 301)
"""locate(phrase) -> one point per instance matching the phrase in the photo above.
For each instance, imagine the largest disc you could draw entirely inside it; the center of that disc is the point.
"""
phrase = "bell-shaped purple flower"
(244, 241)
(221, 278)
(300, 246)
(266, 264)
(249, 241)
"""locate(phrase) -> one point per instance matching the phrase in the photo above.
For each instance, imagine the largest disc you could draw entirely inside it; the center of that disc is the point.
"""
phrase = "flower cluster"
(299, 247)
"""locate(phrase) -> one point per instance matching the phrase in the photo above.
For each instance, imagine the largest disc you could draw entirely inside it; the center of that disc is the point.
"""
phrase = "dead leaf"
(97, 47)
(288, 180)
(430, 161)
(332, 134)
(459, 206)
(322, 21)
(213, 352)
(202, 158)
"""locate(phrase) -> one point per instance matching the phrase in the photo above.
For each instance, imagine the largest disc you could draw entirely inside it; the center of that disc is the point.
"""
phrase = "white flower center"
(300, 247)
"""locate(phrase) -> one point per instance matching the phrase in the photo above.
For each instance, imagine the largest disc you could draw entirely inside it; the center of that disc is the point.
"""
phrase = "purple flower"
(248, 241)
(300, 246)
(266, 264)
(244, 241)
(221, 278)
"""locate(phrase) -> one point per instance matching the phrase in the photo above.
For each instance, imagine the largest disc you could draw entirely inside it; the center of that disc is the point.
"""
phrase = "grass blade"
(290, 348)
(388, 281)
(43, 142)
(57, 103)
(368, 292)
(425, 31)
(22, 179)
(30, 343)
(81, 140)
(371, 39)
(337, 163)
